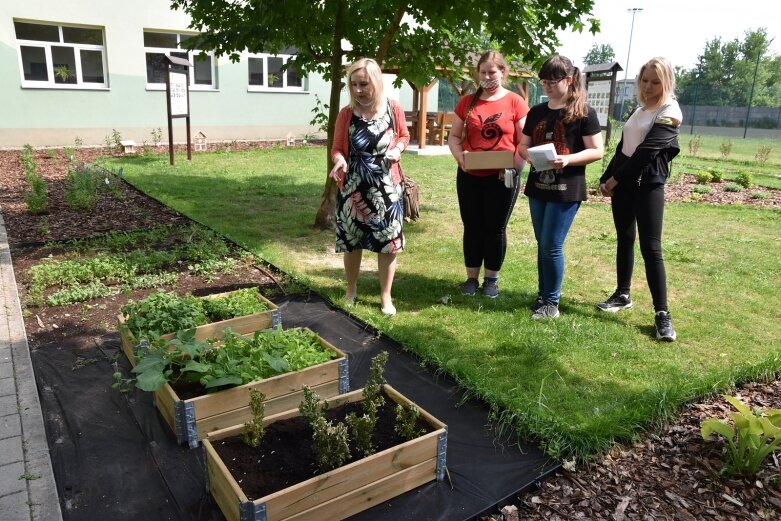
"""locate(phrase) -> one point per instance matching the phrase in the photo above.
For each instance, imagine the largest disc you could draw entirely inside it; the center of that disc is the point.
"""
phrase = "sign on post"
(601, 87)
(177, 89)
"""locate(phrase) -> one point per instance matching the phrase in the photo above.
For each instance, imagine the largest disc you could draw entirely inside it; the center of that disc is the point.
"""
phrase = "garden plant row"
(225, 373)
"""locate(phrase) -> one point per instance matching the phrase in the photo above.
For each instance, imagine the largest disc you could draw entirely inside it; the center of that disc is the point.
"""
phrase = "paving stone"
(9, 479)
(11, 451)
(10, 425)
(7, 387)
(14, 507)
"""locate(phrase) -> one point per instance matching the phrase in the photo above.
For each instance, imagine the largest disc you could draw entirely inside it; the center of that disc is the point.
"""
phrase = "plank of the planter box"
(241, 325)
(193, 418)
(341, 492)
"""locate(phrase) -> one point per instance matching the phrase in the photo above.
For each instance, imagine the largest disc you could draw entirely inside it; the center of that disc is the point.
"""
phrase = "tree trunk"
(324, 218)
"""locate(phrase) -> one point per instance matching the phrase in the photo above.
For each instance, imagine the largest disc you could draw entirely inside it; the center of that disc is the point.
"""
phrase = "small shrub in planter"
(254, 484)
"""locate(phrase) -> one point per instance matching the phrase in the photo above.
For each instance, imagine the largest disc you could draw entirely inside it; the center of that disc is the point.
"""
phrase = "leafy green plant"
(235, 360)
(733, 187)
(329, 439)
(157, 136)
(77, 141)
(751, 438)
(725, 148)
(744, 179)
(116, 137)
(162, 312)
(72, 295)
(320, 118)
(62, 72)
(253, 431)
(760, 195)
(763, 153)
(82, 190)
(407, 421)
(239, 303)
(702, 189)
(363, 426)
(716, 175)
(703, 177)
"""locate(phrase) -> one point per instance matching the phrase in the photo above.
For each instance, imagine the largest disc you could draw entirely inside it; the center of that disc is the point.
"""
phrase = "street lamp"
(634, 11)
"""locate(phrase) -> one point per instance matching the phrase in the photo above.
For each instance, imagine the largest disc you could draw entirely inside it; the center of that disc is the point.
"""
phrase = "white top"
(641, 121)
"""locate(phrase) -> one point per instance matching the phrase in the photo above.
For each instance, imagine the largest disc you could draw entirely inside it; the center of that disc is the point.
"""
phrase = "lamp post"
(634, 11)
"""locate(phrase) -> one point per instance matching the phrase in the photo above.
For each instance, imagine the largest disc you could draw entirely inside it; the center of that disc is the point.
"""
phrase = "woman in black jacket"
(635, 181)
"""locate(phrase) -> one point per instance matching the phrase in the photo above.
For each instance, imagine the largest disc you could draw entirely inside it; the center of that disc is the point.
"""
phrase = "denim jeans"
(551, 222)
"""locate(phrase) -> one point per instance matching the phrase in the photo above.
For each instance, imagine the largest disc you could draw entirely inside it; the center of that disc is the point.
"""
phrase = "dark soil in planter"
(285, 456)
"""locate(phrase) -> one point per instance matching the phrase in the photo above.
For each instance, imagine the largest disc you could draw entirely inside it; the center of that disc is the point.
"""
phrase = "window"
(158, 45)
(61, 56)
(265, 73)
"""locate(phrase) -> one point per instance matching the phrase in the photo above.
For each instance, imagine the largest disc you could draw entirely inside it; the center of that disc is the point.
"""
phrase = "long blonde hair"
(558, 67)
(664, 70)
(374, 73)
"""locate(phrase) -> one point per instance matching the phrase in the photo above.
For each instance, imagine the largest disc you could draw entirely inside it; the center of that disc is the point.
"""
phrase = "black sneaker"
(616, 302)
(664, 327)
(491, 288)
(470, 287)
(537, 304)
(547, 310)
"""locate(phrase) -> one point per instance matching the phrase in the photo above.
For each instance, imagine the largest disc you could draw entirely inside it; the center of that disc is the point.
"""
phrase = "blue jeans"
(551, 222)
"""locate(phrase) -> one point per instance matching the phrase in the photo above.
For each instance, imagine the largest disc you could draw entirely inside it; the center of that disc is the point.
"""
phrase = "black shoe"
(490, 288)
(547, 310)
(664, 327)
(616, 302)
(537, 304)
(470, 287)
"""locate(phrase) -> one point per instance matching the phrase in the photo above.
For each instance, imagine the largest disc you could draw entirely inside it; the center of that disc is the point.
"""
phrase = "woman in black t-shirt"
(556, 192)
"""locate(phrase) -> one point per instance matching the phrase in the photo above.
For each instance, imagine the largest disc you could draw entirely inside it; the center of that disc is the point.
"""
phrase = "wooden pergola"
(518, 76)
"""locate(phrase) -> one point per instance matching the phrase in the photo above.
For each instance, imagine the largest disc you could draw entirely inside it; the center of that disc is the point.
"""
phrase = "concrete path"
(27, 488)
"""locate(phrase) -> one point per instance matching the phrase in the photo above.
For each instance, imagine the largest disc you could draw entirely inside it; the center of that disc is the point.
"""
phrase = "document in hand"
(542, 155)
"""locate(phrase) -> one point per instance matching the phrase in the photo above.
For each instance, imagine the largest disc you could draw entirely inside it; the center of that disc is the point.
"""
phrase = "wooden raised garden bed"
(244, 325)
(341, 492)
(191, 419)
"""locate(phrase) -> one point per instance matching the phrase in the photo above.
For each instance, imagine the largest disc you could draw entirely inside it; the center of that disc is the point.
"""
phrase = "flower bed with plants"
(162, 314)
(202, 386)
(303, 464)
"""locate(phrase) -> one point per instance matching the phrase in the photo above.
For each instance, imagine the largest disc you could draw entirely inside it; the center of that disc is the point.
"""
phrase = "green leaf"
(223, 381)
(151, 380)
(712, 425)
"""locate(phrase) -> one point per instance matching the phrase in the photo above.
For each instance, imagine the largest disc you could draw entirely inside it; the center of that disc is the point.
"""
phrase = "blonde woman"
(635, 182)
(556, 192)
(370, 135)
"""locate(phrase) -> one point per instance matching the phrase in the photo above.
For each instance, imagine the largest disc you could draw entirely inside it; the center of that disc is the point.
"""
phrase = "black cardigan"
(650, 164)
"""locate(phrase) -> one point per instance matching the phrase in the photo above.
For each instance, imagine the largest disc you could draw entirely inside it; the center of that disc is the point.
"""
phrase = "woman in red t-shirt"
(490, 119)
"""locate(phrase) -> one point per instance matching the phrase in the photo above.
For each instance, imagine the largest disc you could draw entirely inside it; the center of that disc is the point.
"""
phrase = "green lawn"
(575, 385)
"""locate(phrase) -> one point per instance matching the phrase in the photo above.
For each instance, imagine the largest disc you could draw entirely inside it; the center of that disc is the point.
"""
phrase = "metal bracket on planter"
(249, 511)
(441, 455)
(276, 318)
(142, 346)
(344, 376)
(184, 413)
(205, 468)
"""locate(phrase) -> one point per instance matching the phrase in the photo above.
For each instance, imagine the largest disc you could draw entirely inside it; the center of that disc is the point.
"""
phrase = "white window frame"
(77, 48)
(191, 55)
(265, 87)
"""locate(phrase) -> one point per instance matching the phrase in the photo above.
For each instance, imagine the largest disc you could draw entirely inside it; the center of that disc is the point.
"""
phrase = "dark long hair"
(558, 67)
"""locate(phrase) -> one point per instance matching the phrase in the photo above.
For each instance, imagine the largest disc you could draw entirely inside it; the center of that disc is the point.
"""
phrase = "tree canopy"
(599, 53)
(725, 73)
(416, 38)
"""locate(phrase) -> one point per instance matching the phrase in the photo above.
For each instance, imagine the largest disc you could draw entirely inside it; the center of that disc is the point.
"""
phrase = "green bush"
(702, 189)
(760, 195)
(716, 176)
(726, 148)
(744, 179)
(703, 177)
(733, 187)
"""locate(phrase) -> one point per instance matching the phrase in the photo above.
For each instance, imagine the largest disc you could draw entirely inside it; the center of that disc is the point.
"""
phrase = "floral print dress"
(370, 207)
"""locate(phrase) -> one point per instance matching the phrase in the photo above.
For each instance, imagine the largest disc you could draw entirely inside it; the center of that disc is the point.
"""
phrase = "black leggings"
(641, 206)
(486, 205)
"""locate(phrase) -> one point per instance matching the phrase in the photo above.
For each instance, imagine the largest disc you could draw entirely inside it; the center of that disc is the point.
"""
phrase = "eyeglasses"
(550, 83)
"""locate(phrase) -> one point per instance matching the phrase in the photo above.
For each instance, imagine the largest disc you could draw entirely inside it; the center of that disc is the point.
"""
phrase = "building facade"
(82, 70)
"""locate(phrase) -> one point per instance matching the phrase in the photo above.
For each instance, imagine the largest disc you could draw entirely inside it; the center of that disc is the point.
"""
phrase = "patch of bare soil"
(672, 474)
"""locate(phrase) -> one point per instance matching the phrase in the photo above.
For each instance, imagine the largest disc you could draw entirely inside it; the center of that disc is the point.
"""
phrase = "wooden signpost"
(601, 87)
(177, 89)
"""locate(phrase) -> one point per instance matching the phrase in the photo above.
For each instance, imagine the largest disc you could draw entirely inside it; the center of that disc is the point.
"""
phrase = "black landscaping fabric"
(115, 459)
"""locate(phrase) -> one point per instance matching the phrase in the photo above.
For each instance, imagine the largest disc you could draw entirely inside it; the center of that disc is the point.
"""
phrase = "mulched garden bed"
(673, 474)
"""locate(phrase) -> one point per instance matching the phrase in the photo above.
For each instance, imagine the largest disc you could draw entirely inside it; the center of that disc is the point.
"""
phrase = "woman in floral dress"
(370, 135)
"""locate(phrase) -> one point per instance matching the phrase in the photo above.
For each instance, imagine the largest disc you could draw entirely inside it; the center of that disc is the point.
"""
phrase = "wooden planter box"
(240, 325)
(342, 492)
(193, 418)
